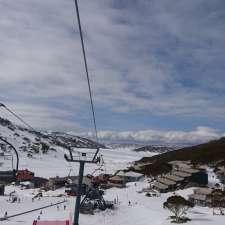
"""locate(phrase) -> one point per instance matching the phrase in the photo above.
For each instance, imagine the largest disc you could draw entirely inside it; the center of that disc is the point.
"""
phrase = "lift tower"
(81, 158)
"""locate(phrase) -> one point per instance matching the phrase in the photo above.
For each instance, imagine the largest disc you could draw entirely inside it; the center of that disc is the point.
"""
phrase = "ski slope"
(54, 164)
(142, 211)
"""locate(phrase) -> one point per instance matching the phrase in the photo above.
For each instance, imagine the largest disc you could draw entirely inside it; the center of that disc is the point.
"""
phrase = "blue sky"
(156, 66)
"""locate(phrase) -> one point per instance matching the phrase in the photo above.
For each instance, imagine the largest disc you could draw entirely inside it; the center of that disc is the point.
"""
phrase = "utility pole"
(81, 160)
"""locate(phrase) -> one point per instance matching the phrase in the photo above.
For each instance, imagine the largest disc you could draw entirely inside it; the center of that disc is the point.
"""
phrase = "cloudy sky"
(156, 67)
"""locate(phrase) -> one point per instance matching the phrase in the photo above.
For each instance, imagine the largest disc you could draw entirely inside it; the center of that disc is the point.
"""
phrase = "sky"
(156, 67)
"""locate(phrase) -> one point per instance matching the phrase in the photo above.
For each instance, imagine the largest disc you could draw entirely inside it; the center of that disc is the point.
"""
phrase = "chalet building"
(101, 179)
(218, 198)
(221, 174)
(162, 188)
(175, 178)
(39, 182)
(55, 183)
(198, 176)
(116, 181)
(201, 197)
(139, 166)
(168, 182)
(178, 164)
(71, 186)
(130, 176)
(7, 176)
(181, 175)
(171, 184)
(86, 181)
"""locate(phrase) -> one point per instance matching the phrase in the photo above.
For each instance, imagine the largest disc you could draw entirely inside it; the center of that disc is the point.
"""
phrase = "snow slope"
(34, 142)
(53, 163)
(142, 211)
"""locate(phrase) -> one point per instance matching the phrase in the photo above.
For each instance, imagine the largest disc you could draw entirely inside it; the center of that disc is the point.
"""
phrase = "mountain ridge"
(212, 152)
(34, 142)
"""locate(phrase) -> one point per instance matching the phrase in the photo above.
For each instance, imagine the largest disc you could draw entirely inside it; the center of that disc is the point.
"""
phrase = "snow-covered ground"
(212, 178)
(53, 163)
(142, 211)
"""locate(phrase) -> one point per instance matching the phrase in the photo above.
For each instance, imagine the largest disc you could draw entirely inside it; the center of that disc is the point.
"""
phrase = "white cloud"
(40, 118)
(199, 135)
(141, 59)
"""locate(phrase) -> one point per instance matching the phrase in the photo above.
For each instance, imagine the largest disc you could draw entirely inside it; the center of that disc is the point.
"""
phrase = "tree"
(178, 206)
(44, 147)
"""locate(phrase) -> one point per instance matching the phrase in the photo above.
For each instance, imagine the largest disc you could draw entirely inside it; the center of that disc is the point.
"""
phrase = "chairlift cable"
(18, 117)
(86, 69)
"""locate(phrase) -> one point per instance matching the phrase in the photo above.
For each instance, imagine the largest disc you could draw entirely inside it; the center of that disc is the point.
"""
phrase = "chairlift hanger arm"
(17, 156)
(71, 159)
(96, 154)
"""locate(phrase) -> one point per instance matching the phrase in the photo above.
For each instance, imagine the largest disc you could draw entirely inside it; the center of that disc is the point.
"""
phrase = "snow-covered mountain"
(123, 145)
(32, 142)
(156, 148)
(31, 145)
(137, 147)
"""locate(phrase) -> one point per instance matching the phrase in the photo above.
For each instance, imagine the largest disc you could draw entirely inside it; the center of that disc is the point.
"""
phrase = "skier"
(6, 214)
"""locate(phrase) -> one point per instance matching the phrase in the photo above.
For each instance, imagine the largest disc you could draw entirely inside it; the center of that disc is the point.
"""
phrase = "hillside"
(155, 148)
(207, 153)
(32, 142)
(54, 145)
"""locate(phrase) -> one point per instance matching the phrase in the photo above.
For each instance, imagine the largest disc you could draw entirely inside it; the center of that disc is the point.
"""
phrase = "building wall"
(2, 189)
(200, 178)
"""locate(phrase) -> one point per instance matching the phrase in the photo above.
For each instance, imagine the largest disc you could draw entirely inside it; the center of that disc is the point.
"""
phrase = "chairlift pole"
(80, 180)
(79, 192)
